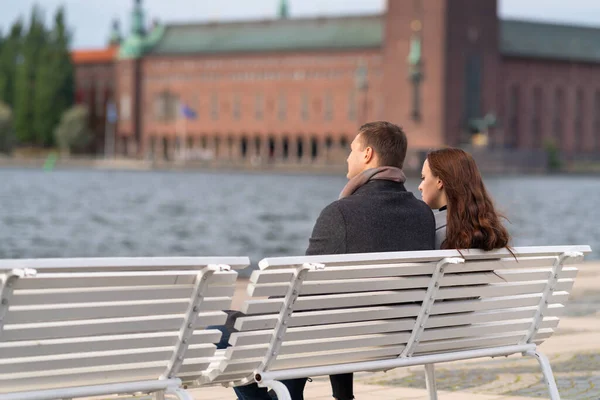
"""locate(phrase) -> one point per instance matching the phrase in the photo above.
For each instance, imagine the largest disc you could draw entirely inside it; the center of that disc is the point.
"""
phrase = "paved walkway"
(574, 353)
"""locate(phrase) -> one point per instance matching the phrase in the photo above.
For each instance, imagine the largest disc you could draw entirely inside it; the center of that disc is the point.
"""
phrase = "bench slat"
(106, 326)
(389, 283)
(474, 343)
(436, 321)
(316, 359)
(344, 300)
(395, 269)
(85, 360)
(123, 263)
(485, 329)
(321, 302)
(419, 256)
(322, 345)
(119, 279)
(387, 312)
(101, 343)
(77, 377)
(93, 295)
(72, 312)
(334, 316)
(324, 331)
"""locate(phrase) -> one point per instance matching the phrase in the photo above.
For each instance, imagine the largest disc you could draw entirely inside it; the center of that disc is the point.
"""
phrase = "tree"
(73, 133)
(33, 44)
(54, 82)
(6, 130)
(9, 54)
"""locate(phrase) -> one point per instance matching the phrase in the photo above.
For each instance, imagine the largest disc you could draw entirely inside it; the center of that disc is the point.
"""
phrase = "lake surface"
(68, 213)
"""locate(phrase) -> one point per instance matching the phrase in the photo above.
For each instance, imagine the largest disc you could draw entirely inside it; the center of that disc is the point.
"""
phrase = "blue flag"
(187, 112)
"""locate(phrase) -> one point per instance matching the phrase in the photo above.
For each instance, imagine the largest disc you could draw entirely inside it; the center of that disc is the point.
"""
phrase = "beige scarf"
(384, 173)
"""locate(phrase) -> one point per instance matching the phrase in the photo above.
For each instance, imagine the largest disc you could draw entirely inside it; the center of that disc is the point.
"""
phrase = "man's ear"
(368, 155)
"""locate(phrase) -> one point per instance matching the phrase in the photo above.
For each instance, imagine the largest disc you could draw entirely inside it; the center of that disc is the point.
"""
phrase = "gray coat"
(440, 228)
(380, 216)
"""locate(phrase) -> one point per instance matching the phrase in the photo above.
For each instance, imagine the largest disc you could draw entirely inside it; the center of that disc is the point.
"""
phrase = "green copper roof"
(549, 41)
(517, 38)
(273, 35)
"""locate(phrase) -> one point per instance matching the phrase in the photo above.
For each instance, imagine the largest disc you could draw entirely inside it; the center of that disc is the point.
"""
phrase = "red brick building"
(297, 89)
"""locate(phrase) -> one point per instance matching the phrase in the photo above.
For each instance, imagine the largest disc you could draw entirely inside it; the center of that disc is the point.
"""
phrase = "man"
(375, 213)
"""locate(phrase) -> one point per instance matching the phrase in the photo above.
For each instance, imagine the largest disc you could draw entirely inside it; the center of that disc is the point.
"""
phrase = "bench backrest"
(325, 310)
(82, 322)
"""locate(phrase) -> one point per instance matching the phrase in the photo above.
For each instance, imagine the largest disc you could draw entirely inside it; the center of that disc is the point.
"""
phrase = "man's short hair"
(387, 140)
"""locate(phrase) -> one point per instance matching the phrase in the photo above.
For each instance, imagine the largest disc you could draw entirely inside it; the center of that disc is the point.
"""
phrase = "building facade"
(297, 90)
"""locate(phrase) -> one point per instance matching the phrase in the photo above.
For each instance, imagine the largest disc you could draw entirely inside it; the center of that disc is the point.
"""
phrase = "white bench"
(371, 312)
(73, 328)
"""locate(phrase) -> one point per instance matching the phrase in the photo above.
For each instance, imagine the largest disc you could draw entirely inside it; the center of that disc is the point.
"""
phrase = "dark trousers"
(253, 392)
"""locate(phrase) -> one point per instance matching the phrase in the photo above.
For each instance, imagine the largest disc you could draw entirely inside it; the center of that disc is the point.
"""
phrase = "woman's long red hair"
(473, 223)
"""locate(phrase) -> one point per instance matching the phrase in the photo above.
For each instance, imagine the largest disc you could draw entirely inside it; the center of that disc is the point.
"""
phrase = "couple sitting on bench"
(375, 213)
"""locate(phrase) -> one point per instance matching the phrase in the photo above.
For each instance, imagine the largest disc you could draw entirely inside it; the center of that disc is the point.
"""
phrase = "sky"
(90, 20)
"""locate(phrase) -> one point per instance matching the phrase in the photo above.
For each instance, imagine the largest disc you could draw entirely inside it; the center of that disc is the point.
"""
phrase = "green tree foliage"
(33, 45)
(9, 54)
(54, 82)
(6, 129)
(73, 133)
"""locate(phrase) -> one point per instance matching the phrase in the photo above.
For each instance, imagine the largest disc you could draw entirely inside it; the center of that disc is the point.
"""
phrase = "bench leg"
(430, 381)
(279, 388)
(547, 371)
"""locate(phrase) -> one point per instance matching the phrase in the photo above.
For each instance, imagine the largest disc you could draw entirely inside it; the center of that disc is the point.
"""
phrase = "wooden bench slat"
(329, 317)
(315, 359)
(77, 377)
(321, 345)
(78, 311)
(475, 343)
(493, 303)
(419, 256)
(328, 331)
(389, 283)
(395, 269)
(325, 302)
(344, 300)
(106, 326)
(93, 295)
(101, 343)
(387, 312)
(45, 281)
(436, 321)
(485, 329)
(108, 264)
(85, 360)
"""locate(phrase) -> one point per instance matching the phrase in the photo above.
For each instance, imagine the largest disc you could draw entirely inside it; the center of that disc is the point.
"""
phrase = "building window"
(259, 106)
(596, 144)
(536, 125)
(237, 107)
(559, 109)
(352, 106)
(328, 106)
(579, 120)
(305, 105)
(125, 106)
(513, 116)
(100, 90)
(166, 107)
(473, 77)
(214, 107)
(282, 107)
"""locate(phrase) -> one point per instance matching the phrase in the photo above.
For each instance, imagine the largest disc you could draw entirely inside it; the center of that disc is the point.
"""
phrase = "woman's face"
(431, 188)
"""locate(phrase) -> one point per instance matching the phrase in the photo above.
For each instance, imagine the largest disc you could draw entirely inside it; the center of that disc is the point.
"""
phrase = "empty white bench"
(73, 328)
(371, 312)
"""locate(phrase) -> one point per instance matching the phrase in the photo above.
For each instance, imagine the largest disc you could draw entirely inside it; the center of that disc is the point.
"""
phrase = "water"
(108, 213)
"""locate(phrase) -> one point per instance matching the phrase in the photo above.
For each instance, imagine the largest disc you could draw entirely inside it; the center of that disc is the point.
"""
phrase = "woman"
(452, 184)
